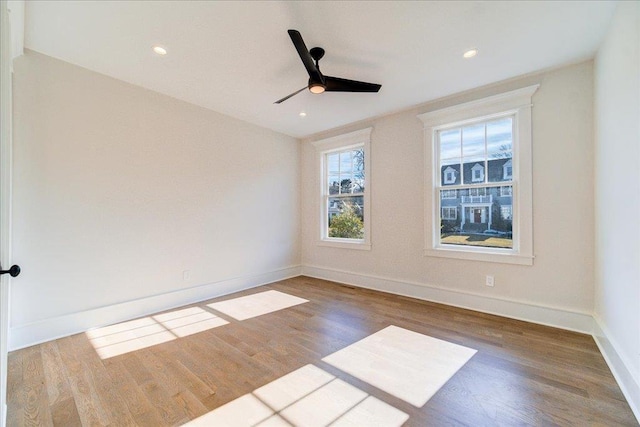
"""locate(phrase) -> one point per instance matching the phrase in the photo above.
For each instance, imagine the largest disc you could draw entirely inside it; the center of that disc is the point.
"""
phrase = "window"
(449, 194)
(506, 191)
(507, 170)
(344, 198)
(475, 191)
(506, 212)
(478, 149)
(489, 143)
(477, 173)
(450, 176)
(449, 213)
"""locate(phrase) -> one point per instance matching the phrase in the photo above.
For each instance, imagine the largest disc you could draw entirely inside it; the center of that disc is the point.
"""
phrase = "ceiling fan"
(318, 82)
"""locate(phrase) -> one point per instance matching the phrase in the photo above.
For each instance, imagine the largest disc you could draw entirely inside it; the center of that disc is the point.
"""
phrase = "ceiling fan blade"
(305, 56)
(336, 84)
(289, 96)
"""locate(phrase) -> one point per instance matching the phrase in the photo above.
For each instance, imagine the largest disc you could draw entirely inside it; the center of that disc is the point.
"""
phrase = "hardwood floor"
(522, 373)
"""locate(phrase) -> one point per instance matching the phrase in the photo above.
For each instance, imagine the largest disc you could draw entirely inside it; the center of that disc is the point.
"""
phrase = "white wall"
(118, 190)
(617, 301)
(561, 278)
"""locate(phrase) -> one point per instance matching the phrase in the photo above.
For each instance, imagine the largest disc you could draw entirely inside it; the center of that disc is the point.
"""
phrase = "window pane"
(477, 217)
(358, 185)
(500, 138)
(332, 163)
(473, 147)
(450, 174)
(358, 162)
(334, 184)
(474, 171)
(500, 149)
(449, 145)
(346, 162)
(346, 185)
(346, 217)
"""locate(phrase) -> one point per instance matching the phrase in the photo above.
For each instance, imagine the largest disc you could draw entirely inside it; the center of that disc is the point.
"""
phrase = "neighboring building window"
(344, 170)
(477, 173)
(480, 139)
(475, 191)
(507, 212)
(449, 213)
(449, 176)
(507, 170)
(449, 194)
(506, 191)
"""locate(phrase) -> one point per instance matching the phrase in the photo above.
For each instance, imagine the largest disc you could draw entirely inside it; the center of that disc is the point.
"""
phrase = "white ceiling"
(236, 57)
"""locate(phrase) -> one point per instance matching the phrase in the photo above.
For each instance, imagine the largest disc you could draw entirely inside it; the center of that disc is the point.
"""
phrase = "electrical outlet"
(186, 275)
(489, 281)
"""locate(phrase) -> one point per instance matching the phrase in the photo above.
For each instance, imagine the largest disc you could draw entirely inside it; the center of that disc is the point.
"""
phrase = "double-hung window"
(344, 190)
(487, 145)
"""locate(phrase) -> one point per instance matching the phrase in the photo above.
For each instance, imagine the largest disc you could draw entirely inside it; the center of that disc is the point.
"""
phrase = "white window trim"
(519, 104)
(360, 138)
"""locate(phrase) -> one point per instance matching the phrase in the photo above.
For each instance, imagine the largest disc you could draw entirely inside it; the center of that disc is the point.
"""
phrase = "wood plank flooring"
(522, 374)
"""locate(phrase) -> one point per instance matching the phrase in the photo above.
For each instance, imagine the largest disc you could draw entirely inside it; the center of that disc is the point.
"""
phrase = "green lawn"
(477, 240)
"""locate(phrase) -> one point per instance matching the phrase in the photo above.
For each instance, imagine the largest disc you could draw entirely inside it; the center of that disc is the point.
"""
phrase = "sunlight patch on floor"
(403, 363)
(137, 334)
(249, 306)
(307, 396)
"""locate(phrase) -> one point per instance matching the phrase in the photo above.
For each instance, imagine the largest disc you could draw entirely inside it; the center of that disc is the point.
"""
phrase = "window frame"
(351, 140)
(516, 103)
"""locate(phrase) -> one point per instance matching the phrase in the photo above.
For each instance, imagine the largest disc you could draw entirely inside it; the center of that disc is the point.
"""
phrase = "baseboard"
(26, 335)
(549, 316)
(619, 366)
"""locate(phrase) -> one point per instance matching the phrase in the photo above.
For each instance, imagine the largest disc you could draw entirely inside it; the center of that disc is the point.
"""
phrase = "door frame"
(6, 105)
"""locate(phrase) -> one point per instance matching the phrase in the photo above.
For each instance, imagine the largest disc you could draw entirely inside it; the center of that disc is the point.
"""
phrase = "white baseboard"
(26, 335)
(549, 316)
(37, 332)
(619, 366)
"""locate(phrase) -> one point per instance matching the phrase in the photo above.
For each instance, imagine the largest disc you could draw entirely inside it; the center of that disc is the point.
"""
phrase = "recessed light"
(160, 50)
(302, 114)
(470, 53)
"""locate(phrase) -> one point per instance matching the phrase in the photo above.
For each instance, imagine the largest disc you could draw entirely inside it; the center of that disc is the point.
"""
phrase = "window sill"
(480, 255)
(363, 246)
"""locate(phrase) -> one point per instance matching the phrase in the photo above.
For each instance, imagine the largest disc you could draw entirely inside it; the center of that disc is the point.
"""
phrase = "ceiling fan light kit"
(319, 83)
(316, 87)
